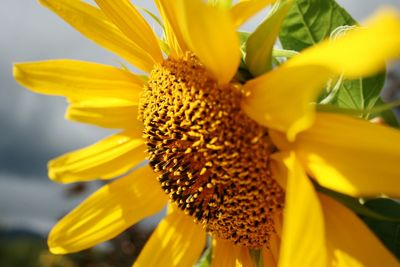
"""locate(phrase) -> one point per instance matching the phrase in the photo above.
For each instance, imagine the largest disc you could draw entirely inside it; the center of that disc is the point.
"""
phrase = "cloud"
(34, 203)
(361, 9)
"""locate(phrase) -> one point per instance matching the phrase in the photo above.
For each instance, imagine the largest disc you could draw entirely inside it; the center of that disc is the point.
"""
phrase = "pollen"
(211, 159)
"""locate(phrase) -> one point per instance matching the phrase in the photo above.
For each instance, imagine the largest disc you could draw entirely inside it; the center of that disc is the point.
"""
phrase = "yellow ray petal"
(92, 23)
(352, 156)
(210, 34)
(268, 260)
(226, 254)
(271, 254)
(223, 253)
(283, 103)
(106, 159)
(278, 168)
(359, 53)
(107, 212)
(303, 242)
(177, 241)
(105, 112)
(245, 9)
(169, 11)
(221, 3)
(78, 80)
(351, 242)
(243, 258)
(133, 25)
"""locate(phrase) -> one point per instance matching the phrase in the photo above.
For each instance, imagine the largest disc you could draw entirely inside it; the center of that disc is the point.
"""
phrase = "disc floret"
(212, 159)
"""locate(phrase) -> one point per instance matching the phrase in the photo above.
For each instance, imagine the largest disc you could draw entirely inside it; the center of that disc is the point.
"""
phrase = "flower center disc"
(212, 159)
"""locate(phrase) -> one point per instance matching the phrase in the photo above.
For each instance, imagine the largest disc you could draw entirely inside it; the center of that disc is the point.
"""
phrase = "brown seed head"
(212, 159)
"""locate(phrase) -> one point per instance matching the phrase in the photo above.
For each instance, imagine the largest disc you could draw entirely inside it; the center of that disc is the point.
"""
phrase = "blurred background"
(33, 130)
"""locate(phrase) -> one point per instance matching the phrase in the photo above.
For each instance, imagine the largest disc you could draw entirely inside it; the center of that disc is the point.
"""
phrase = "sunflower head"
(212, 159)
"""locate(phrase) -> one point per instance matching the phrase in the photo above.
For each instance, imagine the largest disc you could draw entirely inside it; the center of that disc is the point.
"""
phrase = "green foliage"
(388, 115)
(311, 21)
(387, 231)
(21, 251)
(360, 94)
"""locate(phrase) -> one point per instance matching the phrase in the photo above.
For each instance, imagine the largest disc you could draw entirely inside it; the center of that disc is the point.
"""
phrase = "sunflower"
(236, 160)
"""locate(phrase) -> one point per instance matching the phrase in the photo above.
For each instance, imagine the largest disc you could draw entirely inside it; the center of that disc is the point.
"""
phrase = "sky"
(32, 127)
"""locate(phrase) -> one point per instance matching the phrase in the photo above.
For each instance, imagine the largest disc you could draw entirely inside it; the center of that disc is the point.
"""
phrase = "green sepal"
(205, 259)
(153, 16)
(243, 74)
(257, 258)
(260, 44)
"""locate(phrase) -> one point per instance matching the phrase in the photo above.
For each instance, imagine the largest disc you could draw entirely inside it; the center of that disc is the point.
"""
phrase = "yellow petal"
(361, 52)
(92, 23)
(78, 80)
(245, 9)
(351, 242)
(105, 112)
(268, 260)
(226, 254)
(352, 156)
(112, 156)
(223, 253)
(243, 258)
(283, 103)
(133, 25)
(271, 254)
(107, 212)
(210, 34)
(169, 11)
(221, 3)
(278, 168)
(177, 241)
(303, 242)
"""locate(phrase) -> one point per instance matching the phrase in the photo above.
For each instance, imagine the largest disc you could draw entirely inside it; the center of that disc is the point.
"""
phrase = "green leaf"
(261, 42)
(388, 115)
(311, 21)
(388, 232)
(361, 94)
